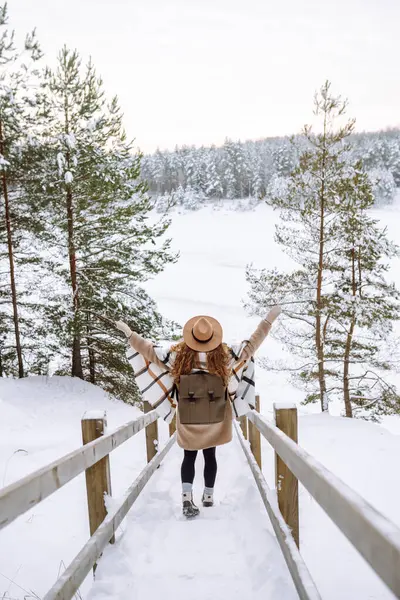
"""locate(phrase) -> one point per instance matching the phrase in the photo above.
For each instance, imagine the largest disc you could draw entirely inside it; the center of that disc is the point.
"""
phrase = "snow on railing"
(375, 537)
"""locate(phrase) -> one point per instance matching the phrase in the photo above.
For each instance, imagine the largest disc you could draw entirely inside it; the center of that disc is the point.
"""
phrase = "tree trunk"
(349, 339)
(11, 262)
(318, 327)
(77, 370)
(92, 362)
(92, 367)
(346, 368)
(318, 320)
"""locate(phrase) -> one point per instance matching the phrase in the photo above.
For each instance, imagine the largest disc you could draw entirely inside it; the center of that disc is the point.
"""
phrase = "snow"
(230, 550)
(235, 240)
(40, 422)
(92, 124)
(284, 405)
(60, 162)
(68, 177)
(91, 415)
(235, 539)
(70, 140)
(365, 456)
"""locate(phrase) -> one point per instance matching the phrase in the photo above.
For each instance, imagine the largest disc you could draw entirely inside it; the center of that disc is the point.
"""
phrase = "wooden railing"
(302, 579)
(92, 459)
(375, 537)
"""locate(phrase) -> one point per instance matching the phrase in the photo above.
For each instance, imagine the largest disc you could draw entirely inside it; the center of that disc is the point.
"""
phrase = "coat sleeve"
(146, 349)
(256, 340)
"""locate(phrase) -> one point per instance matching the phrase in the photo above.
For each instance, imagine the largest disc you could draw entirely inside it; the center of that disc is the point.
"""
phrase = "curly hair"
(187, 359)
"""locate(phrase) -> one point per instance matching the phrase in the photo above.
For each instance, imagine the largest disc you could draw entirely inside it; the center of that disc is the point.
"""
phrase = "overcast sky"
(197, 71)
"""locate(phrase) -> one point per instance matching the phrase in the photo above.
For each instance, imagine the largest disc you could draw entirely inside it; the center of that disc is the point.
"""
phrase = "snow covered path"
(229, 551)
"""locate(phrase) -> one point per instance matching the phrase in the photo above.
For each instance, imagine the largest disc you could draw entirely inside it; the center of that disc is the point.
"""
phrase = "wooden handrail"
(302, 579)
(373, 535)
(69, 582)
(22, 495)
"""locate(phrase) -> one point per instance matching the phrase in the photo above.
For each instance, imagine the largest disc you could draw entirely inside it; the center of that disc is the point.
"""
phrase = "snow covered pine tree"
(103, 243)
(339, 249)
(363, 306)
(21, 335)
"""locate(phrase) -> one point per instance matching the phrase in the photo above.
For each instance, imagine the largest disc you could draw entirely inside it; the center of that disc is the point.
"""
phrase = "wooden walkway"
(375, 537)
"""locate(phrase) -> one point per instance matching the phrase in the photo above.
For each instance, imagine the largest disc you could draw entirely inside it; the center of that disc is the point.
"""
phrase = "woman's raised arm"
(140, 344)
(260, 333)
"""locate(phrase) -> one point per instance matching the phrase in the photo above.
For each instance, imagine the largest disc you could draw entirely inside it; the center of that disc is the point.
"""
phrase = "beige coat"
(199, 437)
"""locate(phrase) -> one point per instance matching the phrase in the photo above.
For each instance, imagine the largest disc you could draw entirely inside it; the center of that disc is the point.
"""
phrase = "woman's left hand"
(124, 328)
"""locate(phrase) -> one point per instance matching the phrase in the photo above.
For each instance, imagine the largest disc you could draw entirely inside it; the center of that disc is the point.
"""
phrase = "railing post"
(243, 425)
(255, 436)
(286, 483)
(151, 434)
(98, 479)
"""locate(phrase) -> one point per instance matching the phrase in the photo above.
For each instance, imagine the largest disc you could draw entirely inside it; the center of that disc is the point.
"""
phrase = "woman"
(208, 381)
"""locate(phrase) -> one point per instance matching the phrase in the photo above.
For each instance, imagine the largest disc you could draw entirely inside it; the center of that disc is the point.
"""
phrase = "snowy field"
(230, 551)
(210, 279)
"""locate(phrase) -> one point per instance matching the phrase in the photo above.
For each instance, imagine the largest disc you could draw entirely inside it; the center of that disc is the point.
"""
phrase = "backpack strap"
(175, 393)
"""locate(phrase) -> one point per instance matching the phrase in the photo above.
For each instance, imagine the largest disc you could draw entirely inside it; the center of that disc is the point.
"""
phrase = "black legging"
(210, 466)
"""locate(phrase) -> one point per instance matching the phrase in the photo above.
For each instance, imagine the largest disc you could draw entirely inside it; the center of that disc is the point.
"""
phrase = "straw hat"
(202, 333)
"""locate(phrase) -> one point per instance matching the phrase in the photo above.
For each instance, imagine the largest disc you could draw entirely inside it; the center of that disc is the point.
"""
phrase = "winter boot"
(208, 498)
(189, 509)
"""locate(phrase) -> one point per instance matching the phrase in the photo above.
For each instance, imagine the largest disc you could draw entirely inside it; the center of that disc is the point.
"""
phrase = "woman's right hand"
(124, 328)
(273, 314)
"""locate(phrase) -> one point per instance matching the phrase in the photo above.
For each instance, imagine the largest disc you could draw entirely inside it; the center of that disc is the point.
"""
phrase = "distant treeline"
(247, 169)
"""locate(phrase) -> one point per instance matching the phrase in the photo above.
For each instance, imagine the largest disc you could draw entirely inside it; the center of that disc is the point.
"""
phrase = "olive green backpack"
(201, 399)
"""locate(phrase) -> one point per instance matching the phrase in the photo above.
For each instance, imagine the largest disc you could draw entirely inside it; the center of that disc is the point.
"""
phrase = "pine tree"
(284, 157)
(98, 222)
(338, 296)
(309, 205)
(363, 305)
(157, 173)
(213, 185)
(257, 183)
(193, 169)
(229, 170)
(19, 222)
